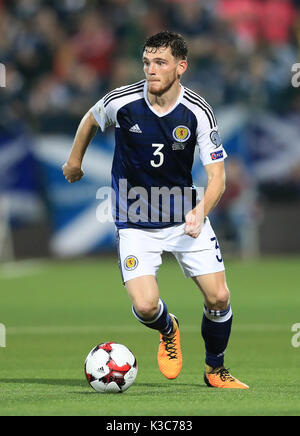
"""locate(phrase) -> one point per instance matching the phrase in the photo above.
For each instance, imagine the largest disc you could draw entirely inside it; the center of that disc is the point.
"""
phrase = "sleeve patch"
(215, 138)
(217, 155)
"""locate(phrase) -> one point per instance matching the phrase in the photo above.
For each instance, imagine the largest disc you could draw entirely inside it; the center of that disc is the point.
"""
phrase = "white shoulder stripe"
(123, 89)
(114, 104)
(191, 101)
(138, 90)
(197, 97)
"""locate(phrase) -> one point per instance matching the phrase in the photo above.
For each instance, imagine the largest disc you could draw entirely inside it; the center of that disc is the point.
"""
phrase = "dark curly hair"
(168, 39)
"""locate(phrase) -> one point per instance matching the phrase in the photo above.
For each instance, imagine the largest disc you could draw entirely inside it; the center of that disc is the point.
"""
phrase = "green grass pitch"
(55, 312)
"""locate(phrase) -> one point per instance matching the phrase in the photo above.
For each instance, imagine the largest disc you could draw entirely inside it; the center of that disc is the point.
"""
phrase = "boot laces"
(224, 374)
(170, 346)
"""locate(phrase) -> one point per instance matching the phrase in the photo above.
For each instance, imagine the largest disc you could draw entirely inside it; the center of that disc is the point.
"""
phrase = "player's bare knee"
(220, 300)
(146, 310)
(223, 299)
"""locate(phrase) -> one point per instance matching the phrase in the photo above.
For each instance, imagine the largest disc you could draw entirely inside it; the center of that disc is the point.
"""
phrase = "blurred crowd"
(61, 56)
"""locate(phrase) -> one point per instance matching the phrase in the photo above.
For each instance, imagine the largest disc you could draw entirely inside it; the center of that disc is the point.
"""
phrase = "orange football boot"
(169, 353)
(220, 378)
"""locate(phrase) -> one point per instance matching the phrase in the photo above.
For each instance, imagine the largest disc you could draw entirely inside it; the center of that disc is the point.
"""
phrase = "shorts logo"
(216, 155)
(130, 263)
(181, 133)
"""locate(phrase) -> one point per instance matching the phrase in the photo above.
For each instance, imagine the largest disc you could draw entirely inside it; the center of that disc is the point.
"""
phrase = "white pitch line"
(49, 330)
(13, 270)
(71, 329)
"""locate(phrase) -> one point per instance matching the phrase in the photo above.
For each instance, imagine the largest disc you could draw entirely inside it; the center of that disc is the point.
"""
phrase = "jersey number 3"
(159, 154)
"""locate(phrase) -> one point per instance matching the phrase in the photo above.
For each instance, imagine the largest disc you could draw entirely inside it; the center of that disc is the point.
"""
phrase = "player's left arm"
(214, 191)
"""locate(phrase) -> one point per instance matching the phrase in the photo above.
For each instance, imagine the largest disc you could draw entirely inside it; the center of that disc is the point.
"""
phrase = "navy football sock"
(216, 329)
(161, 321)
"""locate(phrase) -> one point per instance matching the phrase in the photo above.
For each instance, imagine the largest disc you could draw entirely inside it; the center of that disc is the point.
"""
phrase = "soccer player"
(158, 123)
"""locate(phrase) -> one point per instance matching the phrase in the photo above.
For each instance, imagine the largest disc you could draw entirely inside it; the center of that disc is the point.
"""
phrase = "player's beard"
(162, 90)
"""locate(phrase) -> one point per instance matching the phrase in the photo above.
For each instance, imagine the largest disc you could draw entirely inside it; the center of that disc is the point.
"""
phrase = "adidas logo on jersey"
(135, 129)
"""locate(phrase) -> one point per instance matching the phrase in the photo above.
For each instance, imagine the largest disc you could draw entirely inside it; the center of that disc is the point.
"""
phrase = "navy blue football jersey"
(154, 153)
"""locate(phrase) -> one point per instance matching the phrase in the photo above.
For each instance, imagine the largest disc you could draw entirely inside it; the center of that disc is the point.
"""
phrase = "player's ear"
(181, 67)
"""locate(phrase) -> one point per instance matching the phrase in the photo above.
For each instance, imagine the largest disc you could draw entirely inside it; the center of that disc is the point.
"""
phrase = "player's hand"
(193, 223)
(72, 174)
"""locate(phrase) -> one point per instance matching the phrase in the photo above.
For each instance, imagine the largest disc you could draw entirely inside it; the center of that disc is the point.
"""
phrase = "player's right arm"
(102, 115)
(85, 133)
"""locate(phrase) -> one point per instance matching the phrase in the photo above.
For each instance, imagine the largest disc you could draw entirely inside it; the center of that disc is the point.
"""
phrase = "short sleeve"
(101, 115)
(209, 141)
